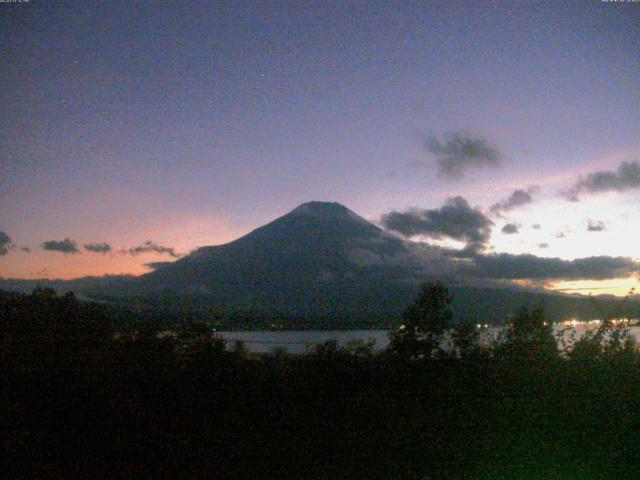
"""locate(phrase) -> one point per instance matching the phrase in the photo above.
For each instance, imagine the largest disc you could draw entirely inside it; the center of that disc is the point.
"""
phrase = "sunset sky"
(158, 127)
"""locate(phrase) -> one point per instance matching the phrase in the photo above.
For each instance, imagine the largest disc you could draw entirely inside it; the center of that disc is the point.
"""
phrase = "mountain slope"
(313, 239)
(321, 258)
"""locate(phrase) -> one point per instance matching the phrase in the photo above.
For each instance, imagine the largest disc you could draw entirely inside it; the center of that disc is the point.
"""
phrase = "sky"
(158, 127)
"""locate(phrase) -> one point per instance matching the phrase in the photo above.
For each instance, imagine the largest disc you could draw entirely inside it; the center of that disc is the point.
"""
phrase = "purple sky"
(191, 123)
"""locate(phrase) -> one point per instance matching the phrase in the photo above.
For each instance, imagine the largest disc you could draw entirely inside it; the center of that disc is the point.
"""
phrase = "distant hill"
(320, 261)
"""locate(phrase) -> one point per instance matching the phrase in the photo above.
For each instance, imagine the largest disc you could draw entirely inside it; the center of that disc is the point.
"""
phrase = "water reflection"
(301, 341)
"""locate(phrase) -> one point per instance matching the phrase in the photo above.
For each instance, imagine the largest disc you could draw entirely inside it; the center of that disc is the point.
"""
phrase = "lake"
(301, 341)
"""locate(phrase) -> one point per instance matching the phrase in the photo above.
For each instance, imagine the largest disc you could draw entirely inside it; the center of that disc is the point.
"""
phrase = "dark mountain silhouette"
(321, 260)
(311, 245)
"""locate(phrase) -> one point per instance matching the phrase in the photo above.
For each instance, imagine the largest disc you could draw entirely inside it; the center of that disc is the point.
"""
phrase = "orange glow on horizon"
(619, 287)
(182, 234)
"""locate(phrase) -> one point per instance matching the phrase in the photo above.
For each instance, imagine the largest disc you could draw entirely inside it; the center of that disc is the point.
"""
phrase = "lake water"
(301, 341)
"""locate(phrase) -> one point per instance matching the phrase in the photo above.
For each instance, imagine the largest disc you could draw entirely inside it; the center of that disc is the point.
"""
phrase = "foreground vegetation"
(84, 396)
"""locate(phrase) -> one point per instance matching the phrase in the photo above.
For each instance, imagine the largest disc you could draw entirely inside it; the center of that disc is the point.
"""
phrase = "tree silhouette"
(530, 336)
(611, 338)
(425, 319)
(465, 339)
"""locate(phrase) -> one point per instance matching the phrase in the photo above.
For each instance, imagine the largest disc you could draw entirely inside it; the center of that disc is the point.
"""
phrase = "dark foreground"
(81, 402)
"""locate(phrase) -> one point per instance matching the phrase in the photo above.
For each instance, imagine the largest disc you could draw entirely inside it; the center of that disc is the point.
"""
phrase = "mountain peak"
(317, 207)
(330, 213)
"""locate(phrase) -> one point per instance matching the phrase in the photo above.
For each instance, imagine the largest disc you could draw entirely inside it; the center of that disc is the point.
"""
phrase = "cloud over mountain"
(460, 152)
(626, 177)
(469, 265)
(97, 247)
(65, 246)
(5, 241)
(456, 220)
(506, 266)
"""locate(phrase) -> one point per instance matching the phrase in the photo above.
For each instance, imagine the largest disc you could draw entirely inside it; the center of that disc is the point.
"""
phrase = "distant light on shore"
(591, 323)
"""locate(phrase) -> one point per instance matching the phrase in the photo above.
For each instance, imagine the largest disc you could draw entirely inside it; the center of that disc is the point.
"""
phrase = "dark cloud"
(506, 266)
(561, 235)
(510, 229)
(25, 249)
(537, 226)
(150, 246)
(455, 220)
(460, 152)
(409, 259)
(472, 266)
(5, 241)
(626, 177)
(517, 199)
(97, 247)
(65, 246)
(593, 226)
